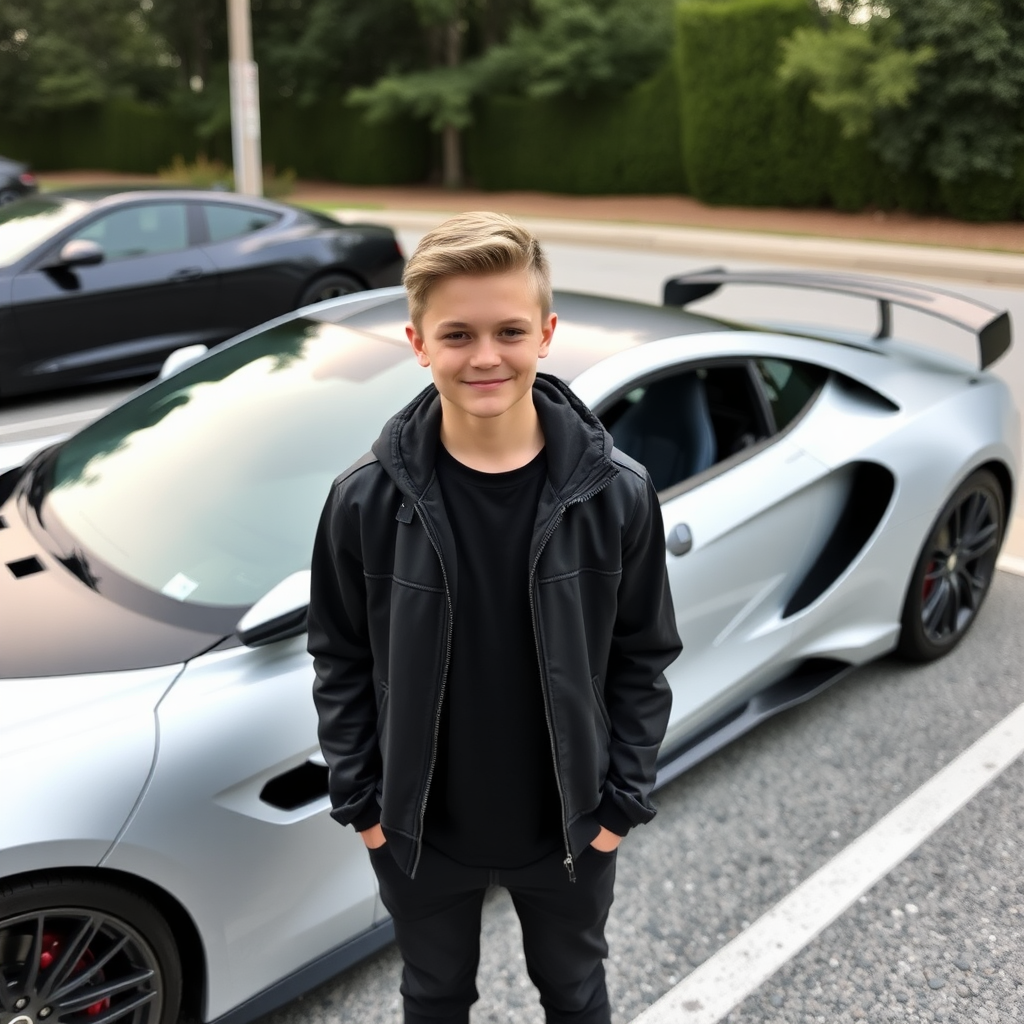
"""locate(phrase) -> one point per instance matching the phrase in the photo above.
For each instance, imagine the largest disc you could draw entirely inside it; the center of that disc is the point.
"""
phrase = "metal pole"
(245, 101)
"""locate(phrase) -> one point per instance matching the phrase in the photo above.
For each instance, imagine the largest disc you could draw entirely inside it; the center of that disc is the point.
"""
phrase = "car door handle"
(187, 274)
(680, 540)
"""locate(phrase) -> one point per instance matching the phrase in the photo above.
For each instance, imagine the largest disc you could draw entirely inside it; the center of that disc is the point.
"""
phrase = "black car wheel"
(954, 570)
(330, 286)
(8, 195)
(74, 950)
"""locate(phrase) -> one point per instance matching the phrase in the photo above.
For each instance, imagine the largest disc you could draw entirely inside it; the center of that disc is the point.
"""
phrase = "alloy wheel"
(68, 965)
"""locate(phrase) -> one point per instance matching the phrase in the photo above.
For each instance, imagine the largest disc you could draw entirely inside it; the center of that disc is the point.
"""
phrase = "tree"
(936, 85)
(483, 47)
(56, 54)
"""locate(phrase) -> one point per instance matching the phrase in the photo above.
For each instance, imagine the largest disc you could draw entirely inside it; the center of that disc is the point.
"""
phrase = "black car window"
(788, 386)
(145, 229)
(224, 222)
(683, 424)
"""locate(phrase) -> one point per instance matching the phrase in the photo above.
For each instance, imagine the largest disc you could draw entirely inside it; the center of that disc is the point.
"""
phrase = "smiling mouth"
(485, 385)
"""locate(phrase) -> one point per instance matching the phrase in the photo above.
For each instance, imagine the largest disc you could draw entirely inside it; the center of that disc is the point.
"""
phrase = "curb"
(975, 266)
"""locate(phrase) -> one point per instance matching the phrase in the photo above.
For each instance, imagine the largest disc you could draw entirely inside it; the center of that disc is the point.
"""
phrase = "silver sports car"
(166, 848)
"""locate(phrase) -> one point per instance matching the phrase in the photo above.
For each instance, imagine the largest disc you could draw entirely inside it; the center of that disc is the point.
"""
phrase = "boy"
(490, 619)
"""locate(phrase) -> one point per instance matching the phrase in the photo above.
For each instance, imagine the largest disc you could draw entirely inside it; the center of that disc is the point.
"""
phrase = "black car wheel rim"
(959, 567)
(76, 966)
(332, 291)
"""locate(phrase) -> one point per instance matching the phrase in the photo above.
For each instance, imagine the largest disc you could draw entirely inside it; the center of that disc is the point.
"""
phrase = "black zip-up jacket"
(385, 581)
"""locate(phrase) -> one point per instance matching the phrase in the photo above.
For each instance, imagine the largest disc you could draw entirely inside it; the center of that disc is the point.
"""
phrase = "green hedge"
(745, 140)
(332, 142)
(329, 141)
(119, 136)
(628, 144)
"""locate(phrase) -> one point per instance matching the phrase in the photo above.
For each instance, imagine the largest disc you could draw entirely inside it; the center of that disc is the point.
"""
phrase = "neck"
(496, 444)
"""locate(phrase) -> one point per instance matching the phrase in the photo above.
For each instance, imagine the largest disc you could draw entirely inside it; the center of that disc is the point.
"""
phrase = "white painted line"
(1011, 563)
(50, 421)
(738, 969)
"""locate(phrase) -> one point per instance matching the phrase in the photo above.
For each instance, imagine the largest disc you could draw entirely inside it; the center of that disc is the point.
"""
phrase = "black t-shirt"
(493, 799)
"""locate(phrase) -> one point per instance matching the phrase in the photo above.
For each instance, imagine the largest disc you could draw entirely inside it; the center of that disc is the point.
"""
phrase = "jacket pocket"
(595, 682)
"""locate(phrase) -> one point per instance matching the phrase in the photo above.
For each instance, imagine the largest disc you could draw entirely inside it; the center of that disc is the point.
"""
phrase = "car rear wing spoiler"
(990, 326)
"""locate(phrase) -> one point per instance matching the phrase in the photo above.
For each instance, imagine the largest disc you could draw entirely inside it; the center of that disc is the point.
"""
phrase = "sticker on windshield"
(179, 586)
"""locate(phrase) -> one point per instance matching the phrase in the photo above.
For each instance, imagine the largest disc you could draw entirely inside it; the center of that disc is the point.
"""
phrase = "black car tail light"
(27, 179)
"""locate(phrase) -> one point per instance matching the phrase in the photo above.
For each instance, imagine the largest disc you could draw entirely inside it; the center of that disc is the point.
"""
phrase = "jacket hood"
(577, 446)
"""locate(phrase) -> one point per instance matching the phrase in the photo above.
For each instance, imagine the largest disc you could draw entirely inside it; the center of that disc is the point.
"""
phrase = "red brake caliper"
(929, 584)
(49, 955)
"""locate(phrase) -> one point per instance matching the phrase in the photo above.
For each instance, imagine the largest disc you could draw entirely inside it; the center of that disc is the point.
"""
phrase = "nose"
(486, 352)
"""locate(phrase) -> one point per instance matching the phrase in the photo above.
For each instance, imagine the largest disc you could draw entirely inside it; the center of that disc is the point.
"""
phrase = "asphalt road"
(940, 937)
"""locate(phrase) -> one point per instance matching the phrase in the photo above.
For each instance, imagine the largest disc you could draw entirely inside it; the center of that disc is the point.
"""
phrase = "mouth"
(486, 385)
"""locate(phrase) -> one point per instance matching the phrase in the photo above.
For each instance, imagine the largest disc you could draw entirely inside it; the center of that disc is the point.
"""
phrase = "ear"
(547, 330)
(418, 345)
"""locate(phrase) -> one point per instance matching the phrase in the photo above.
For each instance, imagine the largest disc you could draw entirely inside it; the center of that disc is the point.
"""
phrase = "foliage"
(61, 54)
(206, 173)
(936, 85)
(329, 140)
(853, 71)
(580, 48)
(619, 144)
(745, 139)
(315, 50)
(967, 117)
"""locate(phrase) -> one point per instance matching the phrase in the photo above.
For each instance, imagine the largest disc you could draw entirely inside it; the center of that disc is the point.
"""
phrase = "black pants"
(437, 927)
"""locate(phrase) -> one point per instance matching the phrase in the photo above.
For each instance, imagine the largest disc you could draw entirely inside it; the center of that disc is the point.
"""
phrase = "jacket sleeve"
(343, 692)
(644, 643)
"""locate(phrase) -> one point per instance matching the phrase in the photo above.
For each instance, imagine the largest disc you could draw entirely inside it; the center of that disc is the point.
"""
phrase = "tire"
(74, 949)
(954, 570)
(8, 195)
(328, 286)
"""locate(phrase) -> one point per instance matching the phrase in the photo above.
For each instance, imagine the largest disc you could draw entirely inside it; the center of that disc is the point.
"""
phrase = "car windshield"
(208, 486)
(29, 222)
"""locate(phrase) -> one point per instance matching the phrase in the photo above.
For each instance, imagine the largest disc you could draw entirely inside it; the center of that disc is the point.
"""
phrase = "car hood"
(55, 624)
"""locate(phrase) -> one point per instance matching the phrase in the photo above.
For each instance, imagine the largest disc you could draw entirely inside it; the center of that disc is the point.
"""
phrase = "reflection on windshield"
(208, 486)
(28, 222)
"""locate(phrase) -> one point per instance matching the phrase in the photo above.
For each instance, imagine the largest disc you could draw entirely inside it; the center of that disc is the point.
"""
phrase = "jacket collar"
(577, 446)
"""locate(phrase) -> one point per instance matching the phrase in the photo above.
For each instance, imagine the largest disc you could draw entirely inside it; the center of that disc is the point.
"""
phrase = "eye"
(456, 337)
(513, 332)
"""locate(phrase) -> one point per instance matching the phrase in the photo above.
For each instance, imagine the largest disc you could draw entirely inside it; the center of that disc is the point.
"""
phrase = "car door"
(259, 274)
(153, 292)
(236, 821)
(745, 512)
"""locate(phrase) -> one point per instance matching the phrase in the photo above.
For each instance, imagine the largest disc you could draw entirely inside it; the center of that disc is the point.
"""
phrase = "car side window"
(139, 230)
(685, 423)
(224, 221)
(789, 387)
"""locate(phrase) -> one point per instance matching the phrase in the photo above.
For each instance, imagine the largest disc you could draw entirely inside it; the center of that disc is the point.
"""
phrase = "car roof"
(104, 195)
(590, 327)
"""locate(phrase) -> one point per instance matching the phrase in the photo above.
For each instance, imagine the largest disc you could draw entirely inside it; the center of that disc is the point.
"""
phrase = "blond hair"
(474, 243)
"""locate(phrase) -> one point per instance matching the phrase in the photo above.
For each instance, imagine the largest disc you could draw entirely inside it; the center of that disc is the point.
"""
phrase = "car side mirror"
(180, 358)
(279, 614)
(80, 252)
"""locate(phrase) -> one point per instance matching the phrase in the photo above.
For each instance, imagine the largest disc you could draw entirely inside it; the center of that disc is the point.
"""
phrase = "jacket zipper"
(568, 862)
(444, 683)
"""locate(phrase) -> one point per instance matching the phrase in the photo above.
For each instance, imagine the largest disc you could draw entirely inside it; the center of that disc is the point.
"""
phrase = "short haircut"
(475, 243)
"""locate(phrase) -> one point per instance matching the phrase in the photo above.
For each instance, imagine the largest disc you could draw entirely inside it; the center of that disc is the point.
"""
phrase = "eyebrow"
(446, 325)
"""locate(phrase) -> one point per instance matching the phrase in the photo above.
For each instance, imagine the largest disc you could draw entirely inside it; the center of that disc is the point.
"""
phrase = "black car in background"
(16, 180)
(98, 286)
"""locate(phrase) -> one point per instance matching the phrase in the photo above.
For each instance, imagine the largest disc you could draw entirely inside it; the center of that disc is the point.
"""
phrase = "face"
(481, 336)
